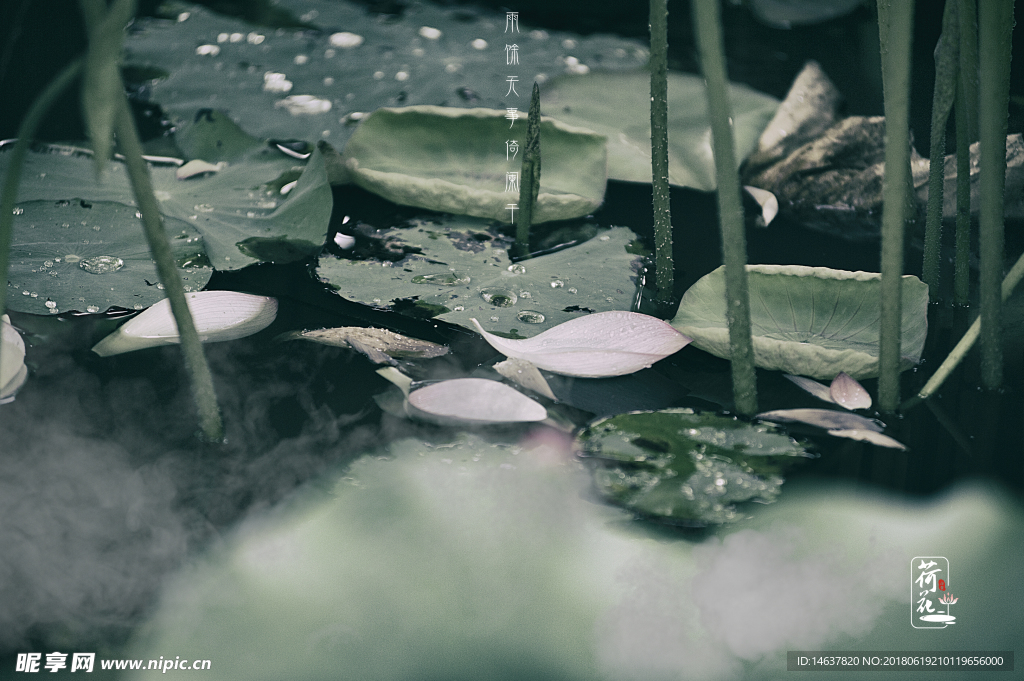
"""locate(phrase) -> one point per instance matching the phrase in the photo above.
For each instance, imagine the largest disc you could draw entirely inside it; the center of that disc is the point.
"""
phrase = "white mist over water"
(475, 561)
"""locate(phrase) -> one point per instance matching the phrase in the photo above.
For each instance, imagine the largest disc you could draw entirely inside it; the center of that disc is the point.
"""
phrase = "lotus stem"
(995, 25)
(664, 266)
(966, 132)
(957, 354)
(947, 55)
(529, 177)
(160, 248)
(730, 207)
(9, 193)
(895, 27)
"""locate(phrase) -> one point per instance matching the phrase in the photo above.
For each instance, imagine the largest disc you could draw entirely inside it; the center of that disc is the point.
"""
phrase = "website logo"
(931, 603)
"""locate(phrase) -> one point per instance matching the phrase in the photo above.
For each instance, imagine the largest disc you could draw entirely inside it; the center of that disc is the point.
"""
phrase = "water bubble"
(499, 297)
(34, 295)
(301, 59)
(203, 208)
(47, 263)
(208, 50)
(517, 269)
(530, 317)
(276, 82)
(26, 293)
(236, 37)
(137, 306)
(92, 309)
(101, 264)
(442, 279)
(494, 319)
(18, 211)
(255, 38)
(572, 289)
(298, 105)
(63, 203)
(525, 294)
(430, 33)
(557, 283)
(346, 40)
(479, 44)
(458, 308)
(402, 76)
(95, 228)
(71, 257)
(160, 286)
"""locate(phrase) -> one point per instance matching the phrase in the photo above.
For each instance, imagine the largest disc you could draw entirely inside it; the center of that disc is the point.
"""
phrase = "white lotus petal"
(197, 167)
(602, 344)
(847, 392)
(768, 202)
(218, 315)
(477, 400)
(830, 419)
(869, 436)
(397, 378)
(527, 375)
(12, 360)
(820, 391)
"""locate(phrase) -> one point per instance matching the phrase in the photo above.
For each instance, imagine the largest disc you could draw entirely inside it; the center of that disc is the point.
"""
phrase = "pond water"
(493, 557)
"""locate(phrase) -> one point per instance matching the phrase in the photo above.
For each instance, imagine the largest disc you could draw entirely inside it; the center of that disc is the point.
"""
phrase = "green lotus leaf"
(809, 321)
(617, 105)
(458, 270)
(685, 467)
(241, 220)
(76, 255)
(454, 160)
(303, 84)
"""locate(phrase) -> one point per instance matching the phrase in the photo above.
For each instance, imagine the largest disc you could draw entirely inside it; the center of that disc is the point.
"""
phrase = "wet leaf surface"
(687, 468)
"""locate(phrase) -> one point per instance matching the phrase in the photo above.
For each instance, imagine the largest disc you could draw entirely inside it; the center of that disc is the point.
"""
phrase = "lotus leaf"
(686, 467)
(241, 220)
(617, 105)
(450, 160)
(810, 321)
(298, 83)
(456, 270)
(77, 255)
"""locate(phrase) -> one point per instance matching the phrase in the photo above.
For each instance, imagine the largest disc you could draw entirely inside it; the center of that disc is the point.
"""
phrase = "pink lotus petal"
(829, 419)
(477, 400)
(820, 391)
(847, 392)
(869, 436)
(602, 344)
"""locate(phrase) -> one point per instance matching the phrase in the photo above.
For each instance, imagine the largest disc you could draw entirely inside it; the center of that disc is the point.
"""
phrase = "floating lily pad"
(617, 105)
(810, 321)
(685, 467)
(450, 160)
(242, 220)
(456, 270)
(77, 255)
(303, 84)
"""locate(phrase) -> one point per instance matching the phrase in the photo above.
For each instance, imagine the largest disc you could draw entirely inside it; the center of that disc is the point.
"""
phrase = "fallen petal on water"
(847, 392)
(820, 391)
(13, 372)
(525, 374)
(218, 316)
(477, 400)
(768, 202)
(869, 436)
(830, 419)
(602, 344)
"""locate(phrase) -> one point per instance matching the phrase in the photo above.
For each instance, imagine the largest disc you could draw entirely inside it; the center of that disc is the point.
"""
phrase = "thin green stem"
(966, 132)
(995, 25)
(960, 351)
(895, 20)
(947, 56)
(529, 177)
(663, 261)
(730, 206)
(160, 248)
(26, 131)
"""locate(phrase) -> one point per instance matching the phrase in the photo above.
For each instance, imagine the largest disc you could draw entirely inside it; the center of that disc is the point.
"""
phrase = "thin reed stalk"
(664, 266)
(895, 24)
(707, 21)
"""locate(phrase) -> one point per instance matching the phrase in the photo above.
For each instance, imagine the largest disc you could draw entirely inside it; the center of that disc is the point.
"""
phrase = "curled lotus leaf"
(444, 159)
(809, 321)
